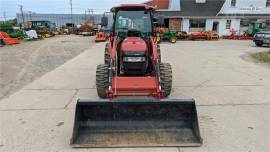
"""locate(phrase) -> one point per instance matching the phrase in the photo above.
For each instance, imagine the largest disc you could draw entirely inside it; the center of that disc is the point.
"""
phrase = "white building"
(241, 12)
(62, 19)
(216, 15)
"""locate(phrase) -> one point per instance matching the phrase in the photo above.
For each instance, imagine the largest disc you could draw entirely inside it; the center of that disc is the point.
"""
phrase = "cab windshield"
(133, 20)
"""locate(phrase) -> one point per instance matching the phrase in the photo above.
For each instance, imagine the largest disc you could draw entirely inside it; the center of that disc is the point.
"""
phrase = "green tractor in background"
(11, 29)
(255, 27)
(162, 32)
(165, 34)
(170, 35)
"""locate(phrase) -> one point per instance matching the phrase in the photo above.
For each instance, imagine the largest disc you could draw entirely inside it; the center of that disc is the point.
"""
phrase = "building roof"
(168, 14)
(189, 8)
(250, 16)
(209, 8)
(170, 5)
(159, 4)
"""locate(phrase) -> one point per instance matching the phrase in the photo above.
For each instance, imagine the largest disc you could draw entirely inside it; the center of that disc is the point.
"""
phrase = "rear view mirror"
(104, 21)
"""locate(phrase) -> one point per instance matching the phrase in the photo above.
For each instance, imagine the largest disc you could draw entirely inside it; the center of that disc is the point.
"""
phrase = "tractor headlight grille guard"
(259, 35)
(134, 59)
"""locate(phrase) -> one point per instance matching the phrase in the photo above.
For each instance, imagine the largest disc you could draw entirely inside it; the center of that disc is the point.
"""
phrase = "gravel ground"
(21, 64)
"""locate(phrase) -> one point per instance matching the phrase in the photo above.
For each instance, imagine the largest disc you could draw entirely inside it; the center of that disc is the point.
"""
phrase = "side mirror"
(104, 21)
(160, 20)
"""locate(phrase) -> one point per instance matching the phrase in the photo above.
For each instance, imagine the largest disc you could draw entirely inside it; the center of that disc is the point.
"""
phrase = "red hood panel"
(133, 44)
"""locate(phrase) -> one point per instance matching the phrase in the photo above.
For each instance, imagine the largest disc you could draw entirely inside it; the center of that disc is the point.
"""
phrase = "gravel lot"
(21, 64)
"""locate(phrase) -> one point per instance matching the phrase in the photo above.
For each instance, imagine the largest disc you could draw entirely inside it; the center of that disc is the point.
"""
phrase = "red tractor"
(133, 82)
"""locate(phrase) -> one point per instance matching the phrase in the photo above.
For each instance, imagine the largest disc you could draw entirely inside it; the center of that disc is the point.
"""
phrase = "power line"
(85, 15)
(4, 15)
(91, 13)
(71, 10)
(21, 8)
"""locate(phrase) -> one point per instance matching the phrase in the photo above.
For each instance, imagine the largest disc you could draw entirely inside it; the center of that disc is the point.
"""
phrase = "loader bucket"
(135, 123)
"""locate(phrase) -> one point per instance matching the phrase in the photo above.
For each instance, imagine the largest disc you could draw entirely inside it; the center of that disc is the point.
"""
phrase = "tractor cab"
(133, 23)
(133, 27)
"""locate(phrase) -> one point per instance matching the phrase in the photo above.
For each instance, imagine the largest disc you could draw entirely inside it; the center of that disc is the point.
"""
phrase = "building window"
(267, 3)
(200, 1)
(233, 3)
(228, 24)
(197, 23)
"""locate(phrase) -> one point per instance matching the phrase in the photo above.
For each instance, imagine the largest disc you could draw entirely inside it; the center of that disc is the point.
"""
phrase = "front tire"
(102, 80)
(166, 78)
(173, 39)
(259, 43)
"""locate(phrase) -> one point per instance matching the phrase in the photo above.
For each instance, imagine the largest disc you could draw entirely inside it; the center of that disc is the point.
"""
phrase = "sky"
(9, 8)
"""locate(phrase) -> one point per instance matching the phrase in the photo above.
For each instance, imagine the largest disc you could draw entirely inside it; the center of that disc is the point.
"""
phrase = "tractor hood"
(133, 44)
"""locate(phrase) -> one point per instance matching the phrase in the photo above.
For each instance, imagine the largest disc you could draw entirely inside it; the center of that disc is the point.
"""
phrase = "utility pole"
(85, 15)
(21, 8)
(4, 15)
(71, 15)
(91, 12)
(30, 13)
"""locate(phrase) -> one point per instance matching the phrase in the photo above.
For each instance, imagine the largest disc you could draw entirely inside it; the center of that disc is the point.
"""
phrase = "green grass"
(262, 57)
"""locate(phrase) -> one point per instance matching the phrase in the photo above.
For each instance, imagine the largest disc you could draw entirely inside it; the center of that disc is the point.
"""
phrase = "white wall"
(209, 25)
(185, 25)
(246, 7)
(242, 7)
(235, 24)
(174, 5)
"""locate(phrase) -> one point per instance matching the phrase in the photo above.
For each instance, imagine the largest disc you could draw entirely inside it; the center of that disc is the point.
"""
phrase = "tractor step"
(140, 122)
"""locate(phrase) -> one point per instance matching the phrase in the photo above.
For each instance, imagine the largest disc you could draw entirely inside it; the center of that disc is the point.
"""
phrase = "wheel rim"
(173, 40)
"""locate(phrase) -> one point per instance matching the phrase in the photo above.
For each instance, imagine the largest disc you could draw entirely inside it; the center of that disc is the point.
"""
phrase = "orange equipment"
(212, 35)
(233, 36)
(7, 40)
(101, 37)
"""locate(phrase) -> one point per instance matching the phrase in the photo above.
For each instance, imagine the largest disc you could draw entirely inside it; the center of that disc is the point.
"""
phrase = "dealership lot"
(231, 90)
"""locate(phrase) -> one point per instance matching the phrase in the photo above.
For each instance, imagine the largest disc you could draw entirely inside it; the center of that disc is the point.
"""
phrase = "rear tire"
(102, 80)
(107, 54)
(166, 78)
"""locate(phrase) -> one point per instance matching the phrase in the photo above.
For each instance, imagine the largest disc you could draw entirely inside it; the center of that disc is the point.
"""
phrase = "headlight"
(134, 59)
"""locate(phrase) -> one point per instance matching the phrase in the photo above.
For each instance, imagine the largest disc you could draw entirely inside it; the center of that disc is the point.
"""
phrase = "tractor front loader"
(133, 84)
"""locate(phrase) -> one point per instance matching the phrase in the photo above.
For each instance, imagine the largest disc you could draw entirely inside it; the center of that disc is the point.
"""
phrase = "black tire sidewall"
(166, 78)
(102, 80)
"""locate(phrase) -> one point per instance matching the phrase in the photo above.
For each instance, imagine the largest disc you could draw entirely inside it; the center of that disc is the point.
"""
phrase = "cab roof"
(132, 7)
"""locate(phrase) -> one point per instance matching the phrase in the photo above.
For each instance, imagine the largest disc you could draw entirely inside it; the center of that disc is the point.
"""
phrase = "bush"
(262, 56)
